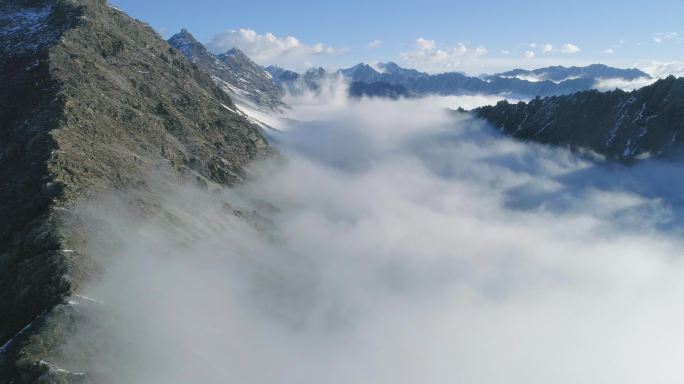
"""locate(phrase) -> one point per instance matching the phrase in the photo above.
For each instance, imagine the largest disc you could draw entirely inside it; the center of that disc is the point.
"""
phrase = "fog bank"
(398, 242)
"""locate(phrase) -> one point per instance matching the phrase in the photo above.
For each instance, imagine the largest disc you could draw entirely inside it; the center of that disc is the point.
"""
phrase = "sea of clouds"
(398, 242)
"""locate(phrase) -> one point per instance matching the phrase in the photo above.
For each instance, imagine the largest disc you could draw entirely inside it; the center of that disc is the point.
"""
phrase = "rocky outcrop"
(91, 100)
(234, 72)
(618, 125)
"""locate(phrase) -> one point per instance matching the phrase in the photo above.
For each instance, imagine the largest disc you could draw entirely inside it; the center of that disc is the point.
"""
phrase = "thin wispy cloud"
(547, 48)
(374, 44)
(661, 37)
(569, 48)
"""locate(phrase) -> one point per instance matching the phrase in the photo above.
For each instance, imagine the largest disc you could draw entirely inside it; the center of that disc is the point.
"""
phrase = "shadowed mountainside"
(618, 125)
(92, 101)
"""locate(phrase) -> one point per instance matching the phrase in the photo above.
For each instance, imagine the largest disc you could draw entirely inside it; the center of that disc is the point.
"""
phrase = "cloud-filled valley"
(397, 195)
(398, 242)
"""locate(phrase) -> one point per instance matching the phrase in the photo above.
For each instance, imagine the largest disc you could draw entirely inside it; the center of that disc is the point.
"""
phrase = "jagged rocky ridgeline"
(618, 125)
(234, 72)
(91, 100)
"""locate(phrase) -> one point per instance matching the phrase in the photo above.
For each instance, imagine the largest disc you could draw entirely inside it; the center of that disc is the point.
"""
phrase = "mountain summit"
(233, 71)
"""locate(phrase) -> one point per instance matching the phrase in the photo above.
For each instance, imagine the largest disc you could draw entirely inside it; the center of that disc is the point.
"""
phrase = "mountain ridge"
(454, 83)
(619, 125)
(233, 71)
(92, 101)
(559, 73)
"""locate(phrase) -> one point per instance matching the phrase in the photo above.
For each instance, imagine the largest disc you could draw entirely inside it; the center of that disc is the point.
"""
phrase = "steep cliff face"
(91, 100)
(619, 125)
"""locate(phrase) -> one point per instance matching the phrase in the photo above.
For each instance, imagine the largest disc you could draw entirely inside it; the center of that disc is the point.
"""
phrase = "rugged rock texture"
(233, 71)
(91, 100)
(619, 125)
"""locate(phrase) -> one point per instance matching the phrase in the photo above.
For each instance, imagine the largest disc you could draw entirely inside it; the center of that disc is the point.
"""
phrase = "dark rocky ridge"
(618, 125)
(91, 101)
(233, 71)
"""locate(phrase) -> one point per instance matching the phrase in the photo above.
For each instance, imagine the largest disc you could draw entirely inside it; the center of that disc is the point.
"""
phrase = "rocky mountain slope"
(91, 101)
(233, 71)
(619, 125)
(518, 83)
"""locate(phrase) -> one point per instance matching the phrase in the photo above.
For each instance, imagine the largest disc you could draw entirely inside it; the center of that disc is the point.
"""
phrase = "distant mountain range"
(559, 74)
(390, 78)
(251, 83)
(233, 71)
(565, 110)
(619, 125)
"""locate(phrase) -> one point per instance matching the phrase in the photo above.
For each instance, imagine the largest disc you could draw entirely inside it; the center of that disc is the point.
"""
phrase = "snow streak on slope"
(400, 243)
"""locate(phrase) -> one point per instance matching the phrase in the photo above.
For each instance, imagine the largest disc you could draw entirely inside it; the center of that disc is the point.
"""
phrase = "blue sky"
(473, 36)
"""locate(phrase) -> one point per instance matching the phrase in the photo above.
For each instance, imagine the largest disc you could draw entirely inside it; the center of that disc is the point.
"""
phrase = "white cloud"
(660, 69)
(268, 48)
(374, 44)
(480, 51)
(427, 55)
(609, 51)
(430, 248)
(624, 84)
(529, 54)
(655, 69)
(425, 44)
(548, 48)
(505, 52)
(569, 48)
(663, 36)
